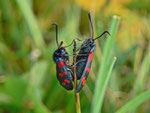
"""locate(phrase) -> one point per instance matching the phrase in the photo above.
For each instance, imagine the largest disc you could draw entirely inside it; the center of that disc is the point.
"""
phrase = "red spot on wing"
(87, 69)
(62, 74)
(90, 56)
(83, 80)
(63, 83)
(66, 81)
(61, 64)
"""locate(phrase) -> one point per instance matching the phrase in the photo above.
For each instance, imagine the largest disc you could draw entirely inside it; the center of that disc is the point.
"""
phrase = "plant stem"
(77, 98)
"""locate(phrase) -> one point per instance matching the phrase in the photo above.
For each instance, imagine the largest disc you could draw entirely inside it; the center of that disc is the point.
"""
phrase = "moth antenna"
(102, 34)
(60, 44)
(72, 42)
(91, 25)
(68, 45)
(56, 34)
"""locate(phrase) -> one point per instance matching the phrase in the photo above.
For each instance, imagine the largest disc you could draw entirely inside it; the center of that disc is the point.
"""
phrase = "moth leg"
(78, 62)
(83, 54)
(83, 45)
(69, 70)
(79, 55)
(73, 41)
(68, 55)
(67, 63)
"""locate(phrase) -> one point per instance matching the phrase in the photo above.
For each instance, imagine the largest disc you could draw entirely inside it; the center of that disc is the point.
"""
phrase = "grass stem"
(77, 98)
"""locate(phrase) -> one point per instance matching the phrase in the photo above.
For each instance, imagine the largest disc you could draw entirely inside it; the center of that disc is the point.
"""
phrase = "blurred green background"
(28, 82)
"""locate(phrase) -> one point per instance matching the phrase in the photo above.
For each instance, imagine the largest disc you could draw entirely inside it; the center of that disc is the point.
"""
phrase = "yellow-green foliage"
(119, 77)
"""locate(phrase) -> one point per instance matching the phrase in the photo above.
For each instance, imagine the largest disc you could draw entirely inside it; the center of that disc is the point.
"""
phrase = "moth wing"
(64, 75)
(85, 72)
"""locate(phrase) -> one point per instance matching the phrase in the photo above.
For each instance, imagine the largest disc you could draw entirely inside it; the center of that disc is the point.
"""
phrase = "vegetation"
(119, 78)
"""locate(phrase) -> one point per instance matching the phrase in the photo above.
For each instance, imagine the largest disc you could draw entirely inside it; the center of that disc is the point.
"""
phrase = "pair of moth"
(84, 60)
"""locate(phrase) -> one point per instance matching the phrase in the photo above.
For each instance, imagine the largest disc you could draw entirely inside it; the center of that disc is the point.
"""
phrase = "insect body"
(61, 58)
(87, 50)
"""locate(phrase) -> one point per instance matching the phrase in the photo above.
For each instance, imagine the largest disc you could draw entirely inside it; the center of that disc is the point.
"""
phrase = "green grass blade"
(109, 73)
(31, 22)
(105, 83)
(143, 73)
(134, 103)
(103, 70)
(38, 73)
(36, 78)
(39, 107)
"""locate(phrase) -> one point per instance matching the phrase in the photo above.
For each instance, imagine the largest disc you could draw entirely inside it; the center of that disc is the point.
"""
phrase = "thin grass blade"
(143, 73)
(29, 16)
(135, 102)
(103, 74)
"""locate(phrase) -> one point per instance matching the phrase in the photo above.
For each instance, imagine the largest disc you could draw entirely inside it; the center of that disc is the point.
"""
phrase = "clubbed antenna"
(91, 25)
(56, 33)
(102, 34)
(60, 44)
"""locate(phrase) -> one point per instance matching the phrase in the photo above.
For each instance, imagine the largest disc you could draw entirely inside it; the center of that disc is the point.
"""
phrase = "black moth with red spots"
(63, 68)
(87, 49)
(84, 61)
